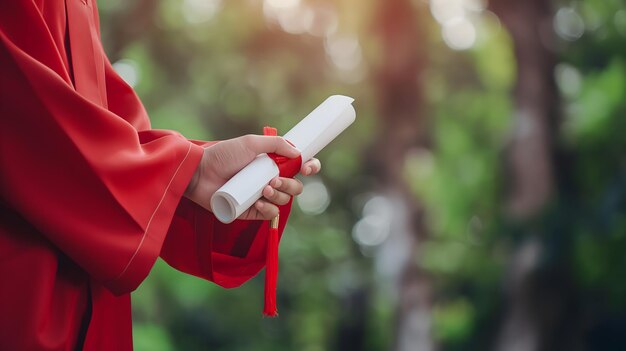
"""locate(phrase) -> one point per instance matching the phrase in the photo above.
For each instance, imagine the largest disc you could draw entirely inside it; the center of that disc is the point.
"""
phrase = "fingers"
(276, 197)
(311, 167)
(290, 186)
(277, 193)
(265, 210)
(266, 144)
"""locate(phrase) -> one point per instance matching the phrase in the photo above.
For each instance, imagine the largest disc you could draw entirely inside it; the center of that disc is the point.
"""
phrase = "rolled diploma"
(309, 136)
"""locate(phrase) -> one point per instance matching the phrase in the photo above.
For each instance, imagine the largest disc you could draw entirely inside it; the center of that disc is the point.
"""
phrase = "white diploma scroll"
(309, 136)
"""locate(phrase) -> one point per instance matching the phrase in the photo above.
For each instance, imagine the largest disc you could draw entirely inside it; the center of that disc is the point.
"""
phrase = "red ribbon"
(287, 167)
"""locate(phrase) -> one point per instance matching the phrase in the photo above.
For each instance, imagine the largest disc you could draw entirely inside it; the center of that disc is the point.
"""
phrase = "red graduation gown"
(90, 195)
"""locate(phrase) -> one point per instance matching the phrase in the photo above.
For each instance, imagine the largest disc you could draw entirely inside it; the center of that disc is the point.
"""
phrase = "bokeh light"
(568, 79)
(128, 70)
(200, 11)
(375, 225)
(459, 33)
(456, 18)
(344, 51)
(568, 24)
(314, 198)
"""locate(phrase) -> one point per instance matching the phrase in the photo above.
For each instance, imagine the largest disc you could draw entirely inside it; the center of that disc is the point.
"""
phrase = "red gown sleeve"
(227, 254)
(197, 243)
(97, 182)
(103, 193)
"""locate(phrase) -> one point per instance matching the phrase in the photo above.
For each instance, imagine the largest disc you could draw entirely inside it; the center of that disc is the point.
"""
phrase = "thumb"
(267, 144)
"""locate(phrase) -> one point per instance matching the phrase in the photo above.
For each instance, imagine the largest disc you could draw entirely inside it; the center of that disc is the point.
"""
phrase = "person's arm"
(227, 254)
(98, 183)
(101, 192)
(197, 243)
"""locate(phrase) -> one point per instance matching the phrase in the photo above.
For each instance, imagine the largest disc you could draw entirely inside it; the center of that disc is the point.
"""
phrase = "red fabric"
(287, 167)
(271, 261)
(270, 308)
(270, 131)
(90, 196)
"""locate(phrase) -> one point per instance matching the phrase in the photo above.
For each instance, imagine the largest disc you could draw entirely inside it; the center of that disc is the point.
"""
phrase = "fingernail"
(308, 170)
(271, 191)
(277, 183)
(259, 205)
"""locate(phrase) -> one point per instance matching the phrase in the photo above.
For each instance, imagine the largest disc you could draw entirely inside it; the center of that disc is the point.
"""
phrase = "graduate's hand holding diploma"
(223, 160)
(247, 167)
(312, 134)
(248, 177)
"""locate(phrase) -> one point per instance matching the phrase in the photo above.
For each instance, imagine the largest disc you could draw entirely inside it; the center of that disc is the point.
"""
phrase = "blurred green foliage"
(218, 69)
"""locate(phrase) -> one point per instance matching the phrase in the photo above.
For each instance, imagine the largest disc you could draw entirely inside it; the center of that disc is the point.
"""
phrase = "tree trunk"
(400, 101)
(531, 147)
(535, 293)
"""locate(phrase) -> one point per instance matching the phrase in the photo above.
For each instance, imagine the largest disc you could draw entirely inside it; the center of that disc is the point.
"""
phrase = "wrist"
(193, 183)
(203, 184)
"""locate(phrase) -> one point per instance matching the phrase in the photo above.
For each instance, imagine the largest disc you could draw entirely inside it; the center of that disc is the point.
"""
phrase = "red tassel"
(270, 131)
(271, 270)
(271, 260)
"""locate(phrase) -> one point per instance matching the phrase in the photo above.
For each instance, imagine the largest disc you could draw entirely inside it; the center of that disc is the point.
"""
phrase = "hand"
(279, 192)
(223, 160)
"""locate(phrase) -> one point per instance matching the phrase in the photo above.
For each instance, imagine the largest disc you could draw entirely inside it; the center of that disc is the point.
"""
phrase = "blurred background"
(477, 203)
